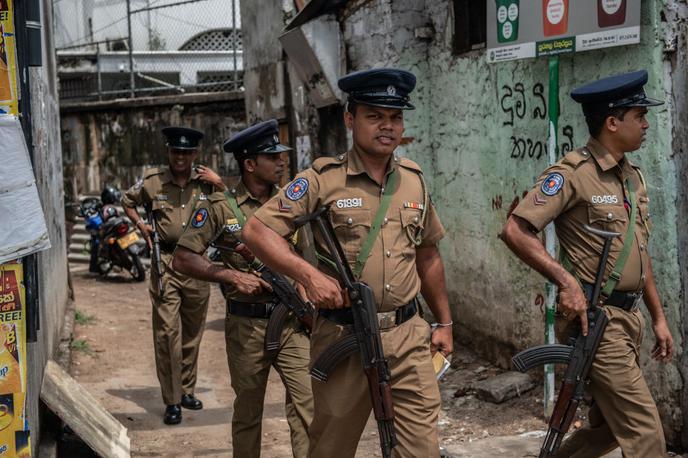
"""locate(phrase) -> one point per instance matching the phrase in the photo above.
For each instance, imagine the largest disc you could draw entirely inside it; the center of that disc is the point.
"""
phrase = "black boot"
(173, 414)
(189, 401)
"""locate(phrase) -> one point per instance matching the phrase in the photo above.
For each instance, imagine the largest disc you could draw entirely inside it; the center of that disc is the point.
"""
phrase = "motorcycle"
(113, 242)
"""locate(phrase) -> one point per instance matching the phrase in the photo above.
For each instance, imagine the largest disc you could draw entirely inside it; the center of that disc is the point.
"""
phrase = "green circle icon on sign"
(507, 20)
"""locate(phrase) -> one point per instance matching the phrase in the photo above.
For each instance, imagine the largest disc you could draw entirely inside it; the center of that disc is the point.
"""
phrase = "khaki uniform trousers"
(249, 367)
(343, 406)
(623, 413)
(178, 323)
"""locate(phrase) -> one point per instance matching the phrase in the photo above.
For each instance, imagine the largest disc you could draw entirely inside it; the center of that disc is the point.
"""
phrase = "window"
(470, 22)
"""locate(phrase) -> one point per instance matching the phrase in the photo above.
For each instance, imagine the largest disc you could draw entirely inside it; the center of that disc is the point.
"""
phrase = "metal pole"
(99, 73)
(150, 26)
(550, 304)
(235, 78)
(132, 81)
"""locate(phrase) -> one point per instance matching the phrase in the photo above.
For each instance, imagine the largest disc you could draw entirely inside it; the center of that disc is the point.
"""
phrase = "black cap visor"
(646, 102)
(274, 149)
(189, 148)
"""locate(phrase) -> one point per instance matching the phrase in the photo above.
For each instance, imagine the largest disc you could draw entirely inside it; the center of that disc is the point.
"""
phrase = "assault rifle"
(289, 298)
(579, 356)
(157, 260)
(364, 336)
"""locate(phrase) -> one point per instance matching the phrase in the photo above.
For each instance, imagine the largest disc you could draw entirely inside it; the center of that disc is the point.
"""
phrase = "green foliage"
(81, 345)
(83, 319)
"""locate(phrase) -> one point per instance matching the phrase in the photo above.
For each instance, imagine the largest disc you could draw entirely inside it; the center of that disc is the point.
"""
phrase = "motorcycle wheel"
(137, 271)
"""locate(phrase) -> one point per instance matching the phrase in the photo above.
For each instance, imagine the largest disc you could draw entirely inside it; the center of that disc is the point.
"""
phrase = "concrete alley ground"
(112, 356)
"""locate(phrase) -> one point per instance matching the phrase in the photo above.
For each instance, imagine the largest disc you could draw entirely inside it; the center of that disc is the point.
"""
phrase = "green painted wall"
(480, 133)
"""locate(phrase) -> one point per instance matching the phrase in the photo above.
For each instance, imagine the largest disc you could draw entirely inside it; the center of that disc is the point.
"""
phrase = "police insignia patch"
(297, 189)
(552, 184)
(198, 219)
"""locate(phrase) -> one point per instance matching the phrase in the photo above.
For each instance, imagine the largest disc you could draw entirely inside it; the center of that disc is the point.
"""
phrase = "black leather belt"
(167, 247)
(251, 309)
(386, 320)
(622, 299)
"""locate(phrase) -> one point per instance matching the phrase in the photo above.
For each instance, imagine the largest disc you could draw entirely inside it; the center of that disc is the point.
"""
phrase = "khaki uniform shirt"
(591, 189)
(353, 197)
(222, 226)
(172, 204)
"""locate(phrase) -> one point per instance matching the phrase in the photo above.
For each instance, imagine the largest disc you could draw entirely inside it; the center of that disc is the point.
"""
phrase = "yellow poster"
(8, 60)
(14, 432)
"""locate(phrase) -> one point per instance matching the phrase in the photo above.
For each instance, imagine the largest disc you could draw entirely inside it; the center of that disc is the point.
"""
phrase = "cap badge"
(183, 140)
(276, 138)
(391, 90)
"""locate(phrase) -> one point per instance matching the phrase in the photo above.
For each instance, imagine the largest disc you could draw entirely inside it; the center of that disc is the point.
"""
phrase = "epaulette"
(575, 157)
(640, 174)
(152, 172)
(408, 164)
(322, 163)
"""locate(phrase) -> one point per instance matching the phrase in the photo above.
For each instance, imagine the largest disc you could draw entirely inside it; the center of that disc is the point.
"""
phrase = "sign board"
(8, 60)
(519, 29)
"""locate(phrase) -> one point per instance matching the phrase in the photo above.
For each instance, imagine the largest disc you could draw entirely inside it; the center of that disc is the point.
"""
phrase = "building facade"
(480, 134)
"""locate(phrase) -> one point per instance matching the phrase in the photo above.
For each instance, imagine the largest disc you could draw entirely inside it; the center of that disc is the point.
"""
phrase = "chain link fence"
(132, 48)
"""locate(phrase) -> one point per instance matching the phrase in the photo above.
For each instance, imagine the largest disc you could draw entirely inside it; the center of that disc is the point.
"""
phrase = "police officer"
(403, 261)
(249, 301)
(599, 186)
(179, 310)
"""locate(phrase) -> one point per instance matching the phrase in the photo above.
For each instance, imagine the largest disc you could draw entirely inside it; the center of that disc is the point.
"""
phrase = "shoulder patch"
(297, 189)
(552, 184)
(322, 163)
(409, 164)
(575, 157)
(199, 218)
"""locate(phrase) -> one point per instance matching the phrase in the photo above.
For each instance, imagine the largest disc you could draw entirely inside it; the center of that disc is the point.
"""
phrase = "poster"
(14, 432)
(8, 60)
(519, 29)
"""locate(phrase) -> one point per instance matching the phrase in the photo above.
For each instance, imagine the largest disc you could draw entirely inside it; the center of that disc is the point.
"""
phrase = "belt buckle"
(387, 320)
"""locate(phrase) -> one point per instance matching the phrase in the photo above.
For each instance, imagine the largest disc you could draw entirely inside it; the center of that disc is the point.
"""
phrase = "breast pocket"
(608, 217)
(412, 229)
(352, 226)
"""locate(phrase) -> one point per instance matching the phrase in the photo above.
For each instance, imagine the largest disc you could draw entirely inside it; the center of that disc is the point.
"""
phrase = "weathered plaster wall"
(264, 70)
(52, 264)
(676, 40)
(114, 144)
(480, 134)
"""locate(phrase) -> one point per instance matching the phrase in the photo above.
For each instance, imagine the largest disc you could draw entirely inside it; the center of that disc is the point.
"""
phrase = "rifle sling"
(241, 220)
(390, 188)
